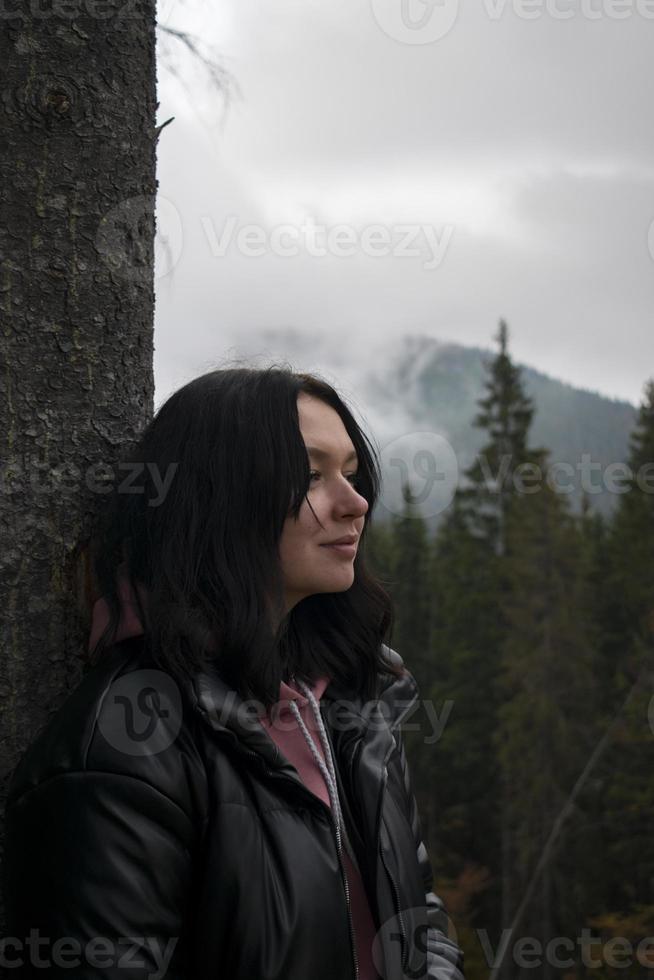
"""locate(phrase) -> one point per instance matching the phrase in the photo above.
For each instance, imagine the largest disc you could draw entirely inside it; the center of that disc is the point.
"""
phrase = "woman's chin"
(342, 582)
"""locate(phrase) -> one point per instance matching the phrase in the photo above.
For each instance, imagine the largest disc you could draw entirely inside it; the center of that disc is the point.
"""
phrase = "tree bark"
(77, 193)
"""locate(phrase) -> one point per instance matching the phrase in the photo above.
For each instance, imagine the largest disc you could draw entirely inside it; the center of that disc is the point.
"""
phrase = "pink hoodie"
(281, 726)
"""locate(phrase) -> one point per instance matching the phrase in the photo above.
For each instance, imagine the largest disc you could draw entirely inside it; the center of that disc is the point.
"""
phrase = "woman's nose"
(354, 503)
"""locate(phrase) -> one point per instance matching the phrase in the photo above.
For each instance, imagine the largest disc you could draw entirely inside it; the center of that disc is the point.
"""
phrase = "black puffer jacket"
(154, 829)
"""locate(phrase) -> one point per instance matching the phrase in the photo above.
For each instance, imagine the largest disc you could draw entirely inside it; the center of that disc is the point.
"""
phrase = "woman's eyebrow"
(323, 454)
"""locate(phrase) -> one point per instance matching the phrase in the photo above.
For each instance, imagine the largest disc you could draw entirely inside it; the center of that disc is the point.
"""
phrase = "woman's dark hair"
(207, 549)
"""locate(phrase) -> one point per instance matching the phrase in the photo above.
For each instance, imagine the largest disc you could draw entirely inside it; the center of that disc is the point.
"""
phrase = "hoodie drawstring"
(328, 771)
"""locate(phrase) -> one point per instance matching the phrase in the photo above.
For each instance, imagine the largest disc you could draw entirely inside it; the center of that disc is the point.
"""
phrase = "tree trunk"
(77, 168)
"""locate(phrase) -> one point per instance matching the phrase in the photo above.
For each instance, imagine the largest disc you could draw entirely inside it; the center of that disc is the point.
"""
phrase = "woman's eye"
(352, 477)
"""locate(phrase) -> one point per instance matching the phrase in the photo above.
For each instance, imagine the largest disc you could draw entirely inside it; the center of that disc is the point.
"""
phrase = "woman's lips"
(348, 550)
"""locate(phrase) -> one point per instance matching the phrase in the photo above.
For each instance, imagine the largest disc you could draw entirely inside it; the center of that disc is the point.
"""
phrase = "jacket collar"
(223, 710)
(347, 717)
(349, 721)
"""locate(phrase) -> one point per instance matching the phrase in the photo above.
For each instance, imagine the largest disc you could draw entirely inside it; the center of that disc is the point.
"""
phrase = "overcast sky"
(427, 167)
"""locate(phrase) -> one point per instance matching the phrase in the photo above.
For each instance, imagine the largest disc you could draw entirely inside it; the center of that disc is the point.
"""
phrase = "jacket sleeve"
(96, 879)
(444, 956)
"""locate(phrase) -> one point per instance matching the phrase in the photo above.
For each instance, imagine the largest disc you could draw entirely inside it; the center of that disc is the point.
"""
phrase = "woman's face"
(309, 564)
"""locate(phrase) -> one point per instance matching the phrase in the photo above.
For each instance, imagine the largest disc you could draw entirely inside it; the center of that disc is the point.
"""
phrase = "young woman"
(226, 793)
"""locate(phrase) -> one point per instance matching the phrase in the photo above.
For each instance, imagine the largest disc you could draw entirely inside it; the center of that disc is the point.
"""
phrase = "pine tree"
(379, 556)
(506, 414)
(626, 779)
(469, 590)
(463, 636)
(548, 719)
(631, 549)
(411, 589)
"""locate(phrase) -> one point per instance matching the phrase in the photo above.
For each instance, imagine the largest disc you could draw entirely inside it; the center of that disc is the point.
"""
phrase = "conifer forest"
(529, 630)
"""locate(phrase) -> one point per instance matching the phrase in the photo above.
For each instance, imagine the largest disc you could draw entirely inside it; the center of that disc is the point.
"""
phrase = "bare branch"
(220, 77)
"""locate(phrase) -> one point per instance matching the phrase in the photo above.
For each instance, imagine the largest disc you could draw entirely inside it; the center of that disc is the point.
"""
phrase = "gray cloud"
(529, 139)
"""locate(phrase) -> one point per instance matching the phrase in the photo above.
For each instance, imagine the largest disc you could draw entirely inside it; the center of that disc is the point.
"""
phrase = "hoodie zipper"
(328, 810)
(339, 846)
